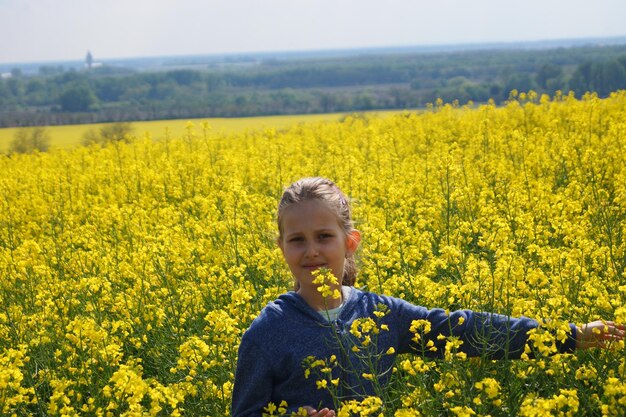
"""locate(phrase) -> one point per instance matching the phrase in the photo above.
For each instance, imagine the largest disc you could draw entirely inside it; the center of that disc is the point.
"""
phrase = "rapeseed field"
(129, 272)
(70, 136)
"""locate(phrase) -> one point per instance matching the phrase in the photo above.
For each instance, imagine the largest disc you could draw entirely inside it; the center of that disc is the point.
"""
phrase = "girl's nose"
(312, 250)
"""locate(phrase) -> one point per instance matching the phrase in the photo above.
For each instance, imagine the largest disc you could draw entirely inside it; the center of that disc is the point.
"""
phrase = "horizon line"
(434, 47)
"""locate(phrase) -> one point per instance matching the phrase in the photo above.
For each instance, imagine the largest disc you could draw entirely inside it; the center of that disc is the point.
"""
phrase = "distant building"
(89, 60)
(89, 63)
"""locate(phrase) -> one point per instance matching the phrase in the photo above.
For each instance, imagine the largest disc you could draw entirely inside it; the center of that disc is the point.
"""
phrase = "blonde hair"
(322, 189)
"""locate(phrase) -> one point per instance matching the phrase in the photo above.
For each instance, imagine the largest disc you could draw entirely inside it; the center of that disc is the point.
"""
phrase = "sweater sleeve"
(489, 335)
(253, 380)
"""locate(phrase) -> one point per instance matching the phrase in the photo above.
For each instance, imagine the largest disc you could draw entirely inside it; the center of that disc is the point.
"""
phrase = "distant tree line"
(293, 86)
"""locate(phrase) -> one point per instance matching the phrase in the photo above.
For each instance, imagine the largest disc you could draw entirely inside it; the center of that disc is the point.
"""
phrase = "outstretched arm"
(598, 334)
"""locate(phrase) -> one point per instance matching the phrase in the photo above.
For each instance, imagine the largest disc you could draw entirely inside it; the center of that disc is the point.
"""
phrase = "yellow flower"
(324, 279)
(463, 411)
(321, 384)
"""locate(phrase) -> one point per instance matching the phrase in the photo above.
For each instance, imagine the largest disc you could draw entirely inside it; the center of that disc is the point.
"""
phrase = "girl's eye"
(325, 235)
(295, 239)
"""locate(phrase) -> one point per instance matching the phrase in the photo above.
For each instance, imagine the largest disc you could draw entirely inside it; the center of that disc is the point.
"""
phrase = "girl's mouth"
(313, 267)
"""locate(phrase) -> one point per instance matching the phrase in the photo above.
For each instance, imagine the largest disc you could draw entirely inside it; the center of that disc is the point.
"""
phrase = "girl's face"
(313, 239)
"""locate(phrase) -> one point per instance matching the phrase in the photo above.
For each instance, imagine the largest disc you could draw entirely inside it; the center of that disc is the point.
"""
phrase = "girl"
(316, 233)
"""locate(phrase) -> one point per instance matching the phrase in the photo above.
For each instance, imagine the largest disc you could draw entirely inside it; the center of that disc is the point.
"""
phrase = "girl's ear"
(352, 241)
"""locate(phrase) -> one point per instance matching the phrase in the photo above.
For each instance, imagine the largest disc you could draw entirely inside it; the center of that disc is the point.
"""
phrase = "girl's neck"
(317, 302)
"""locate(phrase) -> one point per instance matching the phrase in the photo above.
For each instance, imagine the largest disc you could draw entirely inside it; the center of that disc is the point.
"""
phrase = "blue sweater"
(272, 351)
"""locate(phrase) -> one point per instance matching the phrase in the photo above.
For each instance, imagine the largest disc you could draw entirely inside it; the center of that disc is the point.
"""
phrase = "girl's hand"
(324, 412)
(598, 334)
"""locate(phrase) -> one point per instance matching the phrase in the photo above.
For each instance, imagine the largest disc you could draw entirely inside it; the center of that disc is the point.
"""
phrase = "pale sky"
(57, 30)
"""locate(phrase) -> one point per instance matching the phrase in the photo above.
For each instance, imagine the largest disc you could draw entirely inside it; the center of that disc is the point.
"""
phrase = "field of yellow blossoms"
(128, 273)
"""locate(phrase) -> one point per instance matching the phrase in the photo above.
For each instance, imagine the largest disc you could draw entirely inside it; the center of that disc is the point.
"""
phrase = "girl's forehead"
(310, 213)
